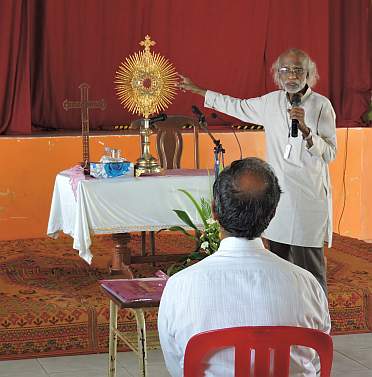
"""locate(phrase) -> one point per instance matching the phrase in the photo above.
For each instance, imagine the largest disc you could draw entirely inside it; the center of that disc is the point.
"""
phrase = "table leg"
(113, 339)
(121, 257)
(143, 243)
(142, 346)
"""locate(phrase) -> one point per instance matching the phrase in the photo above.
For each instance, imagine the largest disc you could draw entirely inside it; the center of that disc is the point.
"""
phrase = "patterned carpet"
(349, 270)
(51, 303)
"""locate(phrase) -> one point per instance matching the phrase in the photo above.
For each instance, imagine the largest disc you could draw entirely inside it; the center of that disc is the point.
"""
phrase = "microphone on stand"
(218, 149)
(216, 116)
(158, 118)
(295, 102)
(202, 123)
(197, 112)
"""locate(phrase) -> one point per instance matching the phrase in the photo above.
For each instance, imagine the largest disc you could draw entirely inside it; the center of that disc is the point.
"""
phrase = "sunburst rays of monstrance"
(145, 84)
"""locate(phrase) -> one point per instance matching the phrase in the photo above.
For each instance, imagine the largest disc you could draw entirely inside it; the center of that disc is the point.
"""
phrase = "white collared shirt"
(304, 213)
(242, 284)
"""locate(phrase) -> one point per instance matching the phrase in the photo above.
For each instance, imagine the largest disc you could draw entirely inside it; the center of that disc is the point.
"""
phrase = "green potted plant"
(207, 238)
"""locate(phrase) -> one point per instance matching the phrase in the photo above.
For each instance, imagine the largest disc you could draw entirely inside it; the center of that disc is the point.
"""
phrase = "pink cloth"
(76, 174)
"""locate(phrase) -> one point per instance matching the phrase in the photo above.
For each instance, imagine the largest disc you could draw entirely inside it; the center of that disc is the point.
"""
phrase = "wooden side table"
(136, 295)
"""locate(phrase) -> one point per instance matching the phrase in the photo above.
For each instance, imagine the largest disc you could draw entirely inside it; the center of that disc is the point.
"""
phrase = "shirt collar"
(306, 94)
(237, 246)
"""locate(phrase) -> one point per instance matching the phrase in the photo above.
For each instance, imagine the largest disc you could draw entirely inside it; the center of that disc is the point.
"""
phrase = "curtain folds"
(50, 47)
(15, 105)
(350, 60)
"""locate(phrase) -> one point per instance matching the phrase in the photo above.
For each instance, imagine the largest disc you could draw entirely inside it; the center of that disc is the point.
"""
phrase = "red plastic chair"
(263, 339)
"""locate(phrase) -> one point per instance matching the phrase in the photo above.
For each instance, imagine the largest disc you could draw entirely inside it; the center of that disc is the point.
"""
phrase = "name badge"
(287, 151)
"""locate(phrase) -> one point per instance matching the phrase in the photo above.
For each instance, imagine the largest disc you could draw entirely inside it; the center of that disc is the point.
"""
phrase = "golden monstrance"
(145, 85)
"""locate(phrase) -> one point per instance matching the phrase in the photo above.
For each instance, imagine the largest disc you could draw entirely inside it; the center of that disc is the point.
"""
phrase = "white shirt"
(304, 213)
(242, 284)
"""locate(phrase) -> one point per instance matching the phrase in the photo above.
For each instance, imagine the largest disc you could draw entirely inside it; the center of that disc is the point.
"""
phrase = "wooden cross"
(84, 104)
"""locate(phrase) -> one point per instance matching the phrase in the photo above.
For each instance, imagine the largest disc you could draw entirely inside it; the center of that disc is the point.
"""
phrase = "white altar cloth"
(120, 205)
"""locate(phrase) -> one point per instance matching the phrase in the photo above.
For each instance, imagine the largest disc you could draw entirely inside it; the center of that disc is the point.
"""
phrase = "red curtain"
(85, 41)
(350, 60)
(15, 107)
(226, 46)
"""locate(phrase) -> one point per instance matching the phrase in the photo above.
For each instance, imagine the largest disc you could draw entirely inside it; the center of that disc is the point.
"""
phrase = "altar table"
(82, 205)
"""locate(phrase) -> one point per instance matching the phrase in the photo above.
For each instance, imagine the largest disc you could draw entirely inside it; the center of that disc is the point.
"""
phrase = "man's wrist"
(200, 91)
(307, 135)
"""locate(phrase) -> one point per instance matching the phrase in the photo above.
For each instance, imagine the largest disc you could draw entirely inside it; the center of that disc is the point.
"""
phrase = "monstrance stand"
(146, 163)
(145, 85)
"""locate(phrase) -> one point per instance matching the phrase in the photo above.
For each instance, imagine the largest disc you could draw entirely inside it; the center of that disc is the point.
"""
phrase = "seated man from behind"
(242, 284)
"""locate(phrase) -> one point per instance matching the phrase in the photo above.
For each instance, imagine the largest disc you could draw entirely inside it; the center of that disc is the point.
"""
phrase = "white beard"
(293, 86)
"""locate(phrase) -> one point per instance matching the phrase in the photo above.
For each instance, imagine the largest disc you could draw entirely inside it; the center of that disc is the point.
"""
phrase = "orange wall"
(29, 166)
(352, 182)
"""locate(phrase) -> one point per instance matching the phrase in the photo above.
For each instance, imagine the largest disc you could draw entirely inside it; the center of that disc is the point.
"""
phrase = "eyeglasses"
(297, 71)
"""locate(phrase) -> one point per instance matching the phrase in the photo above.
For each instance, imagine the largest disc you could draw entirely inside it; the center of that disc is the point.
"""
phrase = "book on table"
(136, 290)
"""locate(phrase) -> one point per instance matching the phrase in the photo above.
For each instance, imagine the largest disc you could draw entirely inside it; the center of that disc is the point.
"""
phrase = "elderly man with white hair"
(303, 219)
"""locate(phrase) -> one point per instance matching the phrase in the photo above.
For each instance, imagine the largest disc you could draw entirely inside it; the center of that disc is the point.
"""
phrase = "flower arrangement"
(207, 239)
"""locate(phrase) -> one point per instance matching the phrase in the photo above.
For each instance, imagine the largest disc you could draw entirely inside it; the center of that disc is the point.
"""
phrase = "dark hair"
(245, 197)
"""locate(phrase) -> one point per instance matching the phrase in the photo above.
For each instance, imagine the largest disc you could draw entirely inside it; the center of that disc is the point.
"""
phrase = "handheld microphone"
(158, 118)
(296, 101)
(197, 112)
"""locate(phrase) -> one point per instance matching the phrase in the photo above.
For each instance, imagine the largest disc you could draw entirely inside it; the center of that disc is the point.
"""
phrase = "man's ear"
(213, 207)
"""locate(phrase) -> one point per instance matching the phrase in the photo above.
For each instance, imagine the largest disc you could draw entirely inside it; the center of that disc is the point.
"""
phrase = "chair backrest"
(263, 340)
(169, 141)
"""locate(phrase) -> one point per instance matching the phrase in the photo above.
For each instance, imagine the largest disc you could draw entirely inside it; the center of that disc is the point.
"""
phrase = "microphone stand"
(218, 150)
(225, 123)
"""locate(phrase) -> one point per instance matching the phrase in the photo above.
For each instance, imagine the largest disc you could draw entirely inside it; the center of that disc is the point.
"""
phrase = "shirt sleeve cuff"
(314, 149)
(210, 98)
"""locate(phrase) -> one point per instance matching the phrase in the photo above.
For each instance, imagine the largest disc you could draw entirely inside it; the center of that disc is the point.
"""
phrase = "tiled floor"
(352, 358)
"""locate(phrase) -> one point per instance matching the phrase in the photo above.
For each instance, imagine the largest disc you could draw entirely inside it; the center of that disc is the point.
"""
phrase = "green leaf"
(177, 228)
(197, 206)
(185, 218)
(174, 268)
(197, 255)
(209, 232)
(206, 208)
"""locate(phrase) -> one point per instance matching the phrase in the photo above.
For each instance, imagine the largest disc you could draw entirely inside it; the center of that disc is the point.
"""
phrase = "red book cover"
(136, 290)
